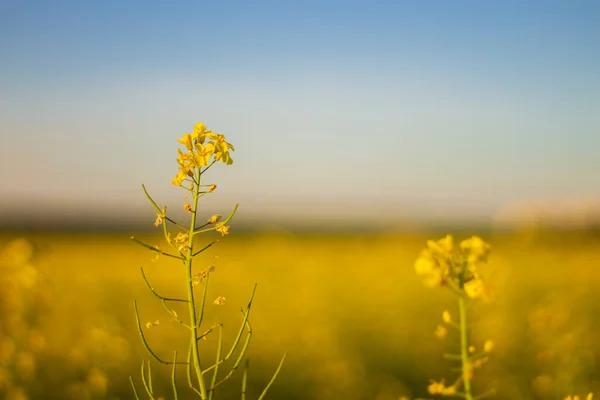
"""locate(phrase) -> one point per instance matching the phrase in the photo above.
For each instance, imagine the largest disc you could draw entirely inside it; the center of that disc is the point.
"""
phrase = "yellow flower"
(449, 391)
(476, 249)
(181, 241)
(160, 216)
(187, 207)
(151, 324)
(441, 332)
(488, 346)
(214, 219)
(590, 396)
(443, 246)
(425, 263)
(220, 300)
(441, 388)
(222, 148)
(202, 133)
(478, 289)
(221, 144)
(474, 288)
(223, 230)
(212, 188)
(436, 387)
(179, 178)
(446, 317)
(202, 157)
(427, 267)
(186, 140)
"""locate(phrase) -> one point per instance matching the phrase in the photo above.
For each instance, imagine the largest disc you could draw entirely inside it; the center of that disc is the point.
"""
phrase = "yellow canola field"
(355, 319)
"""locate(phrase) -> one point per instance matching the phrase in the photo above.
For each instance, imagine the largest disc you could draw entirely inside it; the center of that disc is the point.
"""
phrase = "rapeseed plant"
(442, 264)
(203, 149)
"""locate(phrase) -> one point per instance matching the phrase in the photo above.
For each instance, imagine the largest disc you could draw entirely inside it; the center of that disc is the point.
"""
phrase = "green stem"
(464, 348)
(191, 302)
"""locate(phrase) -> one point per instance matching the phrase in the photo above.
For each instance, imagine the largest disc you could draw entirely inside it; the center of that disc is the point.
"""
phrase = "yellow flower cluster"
(200, 152)
(443, 263)
(440, 388)
(590, 396)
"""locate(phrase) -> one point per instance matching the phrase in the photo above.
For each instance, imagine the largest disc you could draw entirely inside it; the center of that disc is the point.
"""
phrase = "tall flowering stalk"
(442, 264)
(203, 149)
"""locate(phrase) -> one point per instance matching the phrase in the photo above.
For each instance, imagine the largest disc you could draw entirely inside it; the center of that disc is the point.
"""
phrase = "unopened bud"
(214, 219)
(446, 317)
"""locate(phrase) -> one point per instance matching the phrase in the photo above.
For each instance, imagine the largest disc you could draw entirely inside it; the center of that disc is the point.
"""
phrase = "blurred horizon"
(373, 115)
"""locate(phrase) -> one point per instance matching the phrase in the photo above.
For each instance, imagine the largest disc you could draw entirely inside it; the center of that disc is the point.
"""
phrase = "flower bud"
(214, 219)
(446, 317)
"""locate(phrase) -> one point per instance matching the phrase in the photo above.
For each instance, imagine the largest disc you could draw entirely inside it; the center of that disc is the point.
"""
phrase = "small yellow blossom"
(223, 230)
(478, 289)
(187, 207)
(181, 240)
(215, 218)
(427, 267)
(203, 154)
(441, 388)
(441, 332)
(219, 301)
(476, 249)
(151, 324)
(488, 346)
(179, 178)
(200, 276)
(590, 396)
(435, 387)
(480, 362)
(472, 349)
(474, 288)
(202, 133)
(186, 140)
(212, 188)
(160, 216)
(442, 247)
(446, 316)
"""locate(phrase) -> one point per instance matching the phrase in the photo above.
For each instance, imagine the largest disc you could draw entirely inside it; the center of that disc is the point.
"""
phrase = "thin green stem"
(190, 289)
(155, 249)
(264, 392)
(245, 379)
(173, 377)
(211, 393)
(464, 348)
(154, 292)
(135, 393)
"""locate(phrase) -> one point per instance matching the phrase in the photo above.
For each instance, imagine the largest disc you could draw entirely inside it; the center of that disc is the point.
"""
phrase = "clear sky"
(349, 110)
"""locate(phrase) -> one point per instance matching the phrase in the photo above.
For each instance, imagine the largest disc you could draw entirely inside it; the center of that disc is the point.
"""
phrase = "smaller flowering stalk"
(442, 264)
(203, 149)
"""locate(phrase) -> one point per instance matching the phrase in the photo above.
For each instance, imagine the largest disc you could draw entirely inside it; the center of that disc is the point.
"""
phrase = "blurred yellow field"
(356, 321)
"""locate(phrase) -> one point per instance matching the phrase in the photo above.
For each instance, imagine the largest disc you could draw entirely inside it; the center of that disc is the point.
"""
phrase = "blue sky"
(349, 110)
